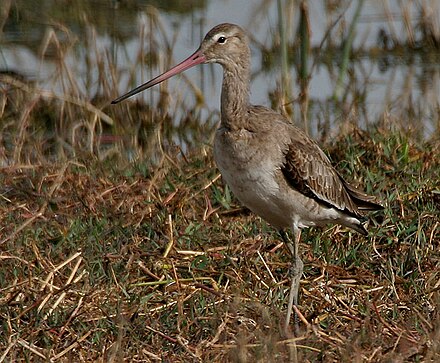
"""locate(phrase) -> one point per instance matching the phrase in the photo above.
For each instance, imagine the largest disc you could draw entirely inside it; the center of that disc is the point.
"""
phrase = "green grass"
(117, 245)
(220, 293)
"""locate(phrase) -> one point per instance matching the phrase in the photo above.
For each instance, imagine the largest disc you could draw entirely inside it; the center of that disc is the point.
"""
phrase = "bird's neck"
(235, 97)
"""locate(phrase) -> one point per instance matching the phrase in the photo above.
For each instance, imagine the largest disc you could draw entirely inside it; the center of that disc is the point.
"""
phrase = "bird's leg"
(295, 274)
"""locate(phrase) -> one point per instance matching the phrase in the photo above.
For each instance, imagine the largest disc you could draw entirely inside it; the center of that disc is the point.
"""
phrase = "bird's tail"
(363, 201)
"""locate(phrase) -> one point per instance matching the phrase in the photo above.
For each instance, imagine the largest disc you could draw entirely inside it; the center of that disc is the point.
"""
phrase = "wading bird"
(271, 166)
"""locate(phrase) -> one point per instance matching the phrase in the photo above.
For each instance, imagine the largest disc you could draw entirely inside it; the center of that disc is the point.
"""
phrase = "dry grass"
(115, 245)
(161, 264)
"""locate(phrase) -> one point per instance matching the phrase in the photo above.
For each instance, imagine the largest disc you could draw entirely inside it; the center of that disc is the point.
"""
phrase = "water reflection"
(95, 50)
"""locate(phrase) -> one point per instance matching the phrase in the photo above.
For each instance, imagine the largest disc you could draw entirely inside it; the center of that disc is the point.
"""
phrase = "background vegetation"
(120, 242)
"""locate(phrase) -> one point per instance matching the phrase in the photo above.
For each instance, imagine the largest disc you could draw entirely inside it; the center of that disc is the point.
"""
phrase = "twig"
(163, 335)
(34, 349)
(71, 346)
(206, 288)
(267, 267)
(171, 236)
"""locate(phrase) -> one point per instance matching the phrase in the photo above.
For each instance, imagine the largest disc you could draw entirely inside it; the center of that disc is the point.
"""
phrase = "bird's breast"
(243, 162)
(250, 171)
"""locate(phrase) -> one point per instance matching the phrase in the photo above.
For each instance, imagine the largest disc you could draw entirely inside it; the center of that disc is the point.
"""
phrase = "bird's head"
(226, 44)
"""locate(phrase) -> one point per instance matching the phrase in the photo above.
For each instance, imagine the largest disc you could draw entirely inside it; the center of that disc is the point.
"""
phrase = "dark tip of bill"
(116, 100)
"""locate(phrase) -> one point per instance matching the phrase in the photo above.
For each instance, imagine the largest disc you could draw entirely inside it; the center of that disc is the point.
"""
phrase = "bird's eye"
(221, 40)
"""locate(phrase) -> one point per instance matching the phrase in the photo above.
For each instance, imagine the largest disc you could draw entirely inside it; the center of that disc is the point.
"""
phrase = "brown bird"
(271, 166)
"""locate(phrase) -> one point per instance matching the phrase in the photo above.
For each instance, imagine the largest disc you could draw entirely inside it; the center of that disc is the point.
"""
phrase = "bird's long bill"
(196, 58)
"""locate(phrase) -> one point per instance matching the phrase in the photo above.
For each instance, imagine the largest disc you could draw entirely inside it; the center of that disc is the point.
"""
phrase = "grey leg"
(295, 274)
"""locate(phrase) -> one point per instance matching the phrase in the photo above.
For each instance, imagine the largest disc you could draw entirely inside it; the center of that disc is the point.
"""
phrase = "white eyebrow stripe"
(218, 36)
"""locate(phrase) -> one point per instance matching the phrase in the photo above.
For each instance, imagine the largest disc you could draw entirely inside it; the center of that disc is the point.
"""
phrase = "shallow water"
(143, 38)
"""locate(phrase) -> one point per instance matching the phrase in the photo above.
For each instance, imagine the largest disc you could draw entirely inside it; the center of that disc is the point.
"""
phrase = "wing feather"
(308, 169)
